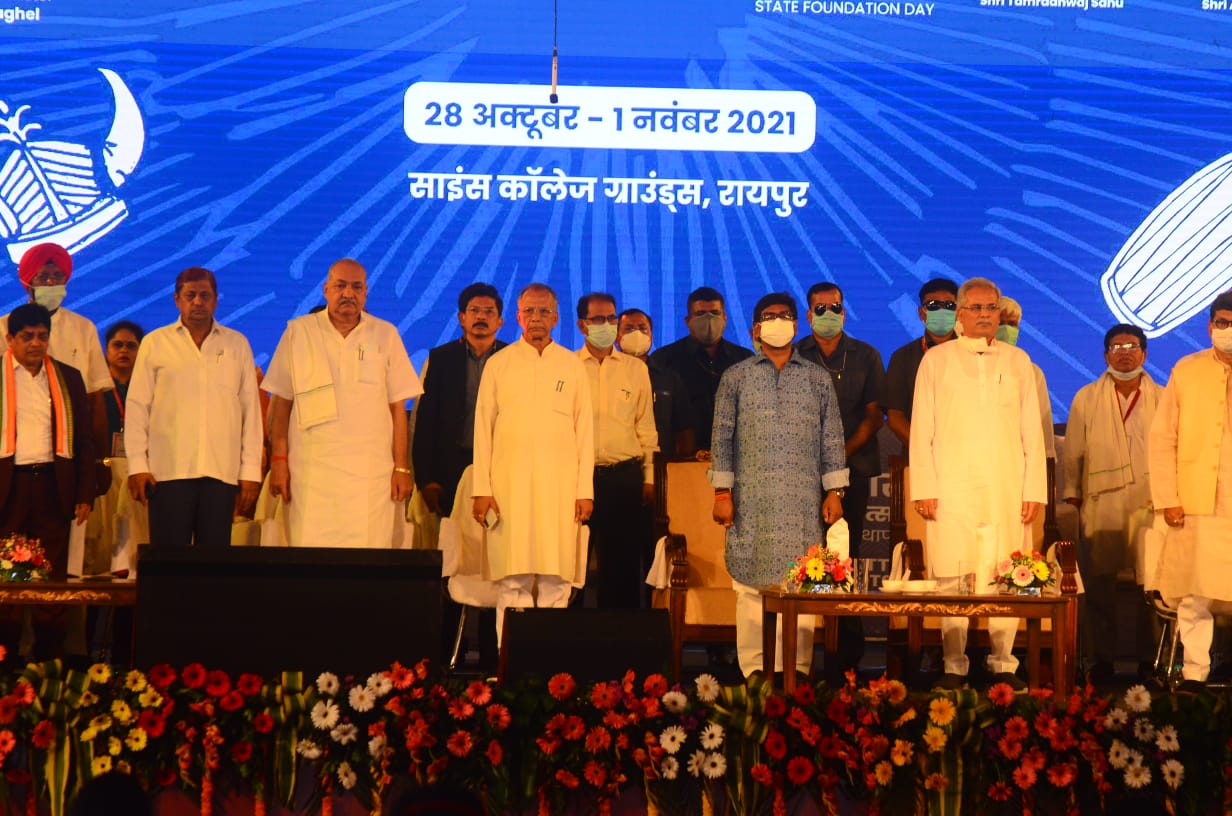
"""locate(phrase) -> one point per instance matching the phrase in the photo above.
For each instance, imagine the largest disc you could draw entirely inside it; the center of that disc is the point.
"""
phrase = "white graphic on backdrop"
(1179, 258)
(48, 191)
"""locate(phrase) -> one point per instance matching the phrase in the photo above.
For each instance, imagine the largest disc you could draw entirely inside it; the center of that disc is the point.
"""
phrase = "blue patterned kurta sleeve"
(722, 435)
(834, 471)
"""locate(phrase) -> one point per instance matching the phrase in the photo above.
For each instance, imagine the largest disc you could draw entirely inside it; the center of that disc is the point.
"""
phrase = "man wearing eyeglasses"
(1190, 457)
(1106, 478)
(625, 442)
(937, 312)
(534, 463)
(340, 463)
(978, 472)
(858, 378)
(776, 459)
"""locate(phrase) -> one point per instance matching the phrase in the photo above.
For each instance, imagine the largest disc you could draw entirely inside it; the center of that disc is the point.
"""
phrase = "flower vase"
(819, 589)
(1031, 592)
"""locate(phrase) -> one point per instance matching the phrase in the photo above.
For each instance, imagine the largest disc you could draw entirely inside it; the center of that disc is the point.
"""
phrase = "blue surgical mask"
(827, 324)
(940, 322)
(1007, 334)
(602, 337)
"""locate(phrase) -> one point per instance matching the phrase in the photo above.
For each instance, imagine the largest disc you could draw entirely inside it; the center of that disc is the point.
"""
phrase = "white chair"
(461, 545)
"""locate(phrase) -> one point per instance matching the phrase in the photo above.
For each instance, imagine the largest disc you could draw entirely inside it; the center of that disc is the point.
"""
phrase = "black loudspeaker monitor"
(590, 644)
(269, 610)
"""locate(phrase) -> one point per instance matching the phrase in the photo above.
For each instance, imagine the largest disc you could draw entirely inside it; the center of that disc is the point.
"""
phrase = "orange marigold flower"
(561, 686)
(902, 752)
(936, 781)
(400, 676)
(460, 743)
(884, 773)
(479, 693)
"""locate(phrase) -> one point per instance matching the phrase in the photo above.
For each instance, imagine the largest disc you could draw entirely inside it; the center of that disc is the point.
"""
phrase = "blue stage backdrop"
(1076, 151)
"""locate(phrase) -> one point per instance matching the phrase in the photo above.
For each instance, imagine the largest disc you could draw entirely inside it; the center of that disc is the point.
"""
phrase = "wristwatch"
(839, 491)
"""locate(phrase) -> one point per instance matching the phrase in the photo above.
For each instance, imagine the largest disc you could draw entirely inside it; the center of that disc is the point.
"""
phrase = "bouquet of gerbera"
(819, 570)
(1025, 570)
(22, 559)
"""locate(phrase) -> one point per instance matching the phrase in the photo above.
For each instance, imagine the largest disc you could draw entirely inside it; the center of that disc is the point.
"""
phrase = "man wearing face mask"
(625, 442)
(1189, 454)
(859, 380)
(978, 473)
(775, 462)
(1007, 332)
(701, 358)
(937, 311)
(672, 411)
(1106, 478)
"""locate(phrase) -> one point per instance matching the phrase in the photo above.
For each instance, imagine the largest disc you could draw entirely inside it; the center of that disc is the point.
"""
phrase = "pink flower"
(1023, 576)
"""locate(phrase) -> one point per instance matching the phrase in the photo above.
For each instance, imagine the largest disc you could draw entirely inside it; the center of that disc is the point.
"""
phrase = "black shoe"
(1191, 687)
(950, 682)
(1101, 674)
(1010, 679)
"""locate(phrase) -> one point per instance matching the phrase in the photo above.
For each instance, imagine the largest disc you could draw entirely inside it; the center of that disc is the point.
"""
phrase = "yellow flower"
(902, 752)
(89, 734)
(134, 681)
(941, 711)
(884, 773)
(100, 765)
(88, 698)
(6, 564)
(135, 739)
(1041, 570)
(101, 723)
(934, 738)
(906, 717)
(150, 698)
(898, 692)
(122, 713)
(815, 569)
(114, 746)
(100, 672)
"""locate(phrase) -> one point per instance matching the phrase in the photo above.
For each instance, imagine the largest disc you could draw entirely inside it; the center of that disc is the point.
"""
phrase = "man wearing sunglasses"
(1189, 452)
(938, 305)
(1106, 478)
(858, 378)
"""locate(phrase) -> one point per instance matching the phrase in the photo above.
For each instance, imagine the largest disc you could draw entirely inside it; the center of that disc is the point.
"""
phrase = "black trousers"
(184, 512)
(617, 534)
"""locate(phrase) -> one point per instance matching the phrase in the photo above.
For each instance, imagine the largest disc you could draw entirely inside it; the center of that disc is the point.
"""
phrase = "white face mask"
(1124, 376)
(49, 297)
(1222, 339)
(601, 337)
(777, 333)
(635, 342)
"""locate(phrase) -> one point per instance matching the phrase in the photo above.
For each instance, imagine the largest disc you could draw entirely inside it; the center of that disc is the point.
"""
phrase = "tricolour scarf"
(61, 409)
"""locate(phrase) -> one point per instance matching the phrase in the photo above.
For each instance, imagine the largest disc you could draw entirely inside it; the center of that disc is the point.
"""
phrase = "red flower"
(761, 774)
(776, 745)
(574, 728)
(24, 692)
(604, 695)
(479, 693)
(805, 694)
(595, 774)
(460, 743)
(597, 739)
(1001, 694)
(241, 751)
(1000, 792)
(561, 686)
(775, 706)
(460, 709)
(231, 701)
(1035, 759)
(567, 779)
(1016, 728)
(400, 676)
(1061, 776)
(8, 709)
(494, 752)
(1010, 748)
(7, 743)
(151, 722)
(194, 675)
(249, 684)
(799, 770)
(797, 719)
(655, 685)
(498, 717)
(161, 675)
(217, 683)
(548, 746)
(263, 723)
(1024, 776)
(44, 734)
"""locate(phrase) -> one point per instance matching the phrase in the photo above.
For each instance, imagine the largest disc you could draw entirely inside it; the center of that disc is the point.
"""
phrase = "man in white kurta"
(1190, 454)
(534, 463)
(978, 473)
(1107, 478)
(340, 380)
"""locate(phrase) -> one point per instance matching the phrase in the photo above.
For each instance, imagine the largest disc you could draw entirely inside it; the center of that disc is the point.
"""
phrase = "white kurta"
(976, 447)
(534, 453)
(341, 469)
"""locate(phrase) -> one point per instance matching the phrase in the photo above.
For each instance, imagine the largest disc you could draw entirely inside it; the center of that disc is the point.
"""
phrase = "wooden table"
(1062, 610)
(71, 592)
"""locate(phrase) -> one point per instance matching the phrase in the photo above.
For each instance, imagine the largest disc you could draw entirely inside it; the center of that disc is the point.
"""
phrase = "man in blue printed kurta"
(772, 461)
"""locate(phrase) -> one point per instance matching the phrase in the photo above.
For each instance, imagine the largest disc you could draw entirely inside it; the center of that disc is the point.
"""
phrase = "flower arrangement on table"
(819, 570)
(22, 559)
(1025, 571)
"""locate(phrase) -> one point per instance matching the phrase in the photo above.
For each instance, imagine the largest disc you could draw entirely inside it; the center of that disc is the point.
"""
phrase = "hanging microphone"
(553, 98)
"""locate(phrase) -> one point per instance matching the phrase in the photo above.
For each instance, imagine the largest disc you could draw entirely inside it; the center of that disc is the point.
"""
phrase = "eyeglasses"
(987, 308)
(1221, 323)
(934, 305)
(481, 311)
(832, 308)
(768, 316)
(1116, 347)
(599, 320)
(542, 312)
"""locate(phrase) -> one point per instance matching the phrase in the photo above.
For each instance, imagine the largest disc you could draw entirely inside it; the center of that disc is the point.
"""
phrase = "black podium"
(268, 610)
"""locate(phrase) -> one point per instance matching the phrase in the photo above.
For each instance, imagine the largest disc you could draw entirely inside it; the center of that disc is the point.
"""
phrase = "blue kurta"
(777, 441)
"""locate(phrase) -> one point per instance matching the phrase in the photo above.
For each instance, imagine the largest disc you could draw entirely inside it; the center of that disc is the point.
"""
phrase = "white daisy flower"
(379, 684)
(344, 734)
(376, 746)
(308, 749)
(675, 702)
(327, 683)
(346, 776)
(1138, 698)
(1118, 754)
(1135, 758)
(1173, 773)
(715, 766)
(1165, 739)
(696, 762)
(672, 738)
(669, 767)
(1143, 730)
(1137, 776)
(324, 715)
(1115, 719)
(361, 698)
(707, 688)
(712, 736)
